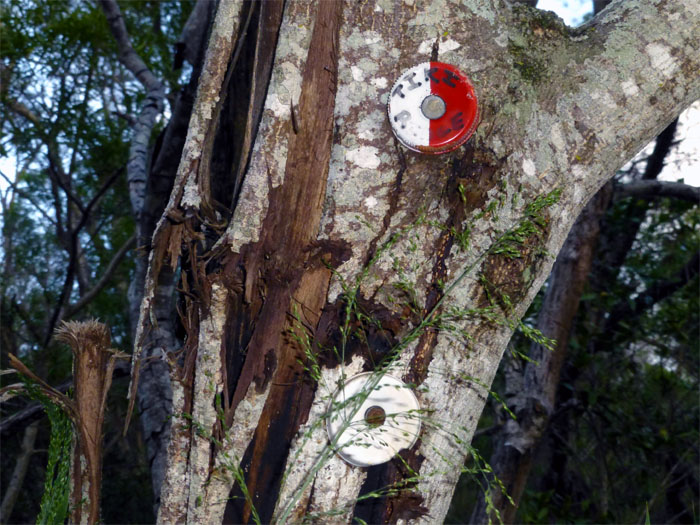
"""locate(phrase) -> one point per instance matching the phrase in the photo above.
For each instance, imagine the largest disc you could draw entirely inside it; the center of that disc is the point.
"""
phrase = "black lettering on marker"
(398, 91)
(456, 120)
(429, 73)
(403, 117)
(413, 85)
(449, 77)
(443, 132)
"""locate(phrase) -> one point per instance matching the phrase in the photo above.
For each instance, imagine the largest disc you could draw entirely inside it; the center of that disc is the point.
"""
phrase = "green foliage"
(534, 219)
(54, 502)
(66, 107)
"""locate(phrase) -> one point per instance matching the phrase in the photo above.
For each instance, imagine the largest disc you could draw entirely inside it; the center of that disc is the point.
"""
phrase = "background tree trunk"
(531, 387)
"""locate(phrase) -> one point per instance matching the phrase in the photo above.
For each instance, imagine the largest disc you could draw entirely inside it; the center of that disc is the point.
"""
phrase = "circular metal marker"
(433, 108)
(372, 430)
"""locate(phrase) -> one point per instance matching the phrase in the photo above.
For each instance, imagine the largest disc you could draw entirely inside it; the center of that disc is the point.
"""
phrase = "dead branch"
(93, 364)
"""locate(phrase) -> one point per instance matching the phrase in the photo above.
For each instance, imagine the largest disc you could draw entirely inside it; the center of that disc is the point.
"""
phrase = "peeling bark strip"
(270, 18)
(288, 267)
(185, 196)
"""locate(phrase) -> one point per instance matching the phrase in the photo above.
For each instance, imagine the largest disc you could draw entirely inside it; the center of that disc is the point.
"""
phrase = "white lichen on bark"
(269, 157)
(207, 387)
(228, 458)
(175, 487)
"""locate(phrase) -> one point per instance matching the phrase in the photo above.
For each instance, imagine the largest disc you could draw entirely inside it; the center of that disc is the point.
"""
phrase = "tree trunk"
(531, 387)
(415, 265)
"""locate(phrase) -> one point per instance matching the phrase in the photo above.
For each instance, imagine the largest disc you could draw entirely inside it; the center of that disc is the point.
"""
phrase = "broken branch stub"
(93, 364)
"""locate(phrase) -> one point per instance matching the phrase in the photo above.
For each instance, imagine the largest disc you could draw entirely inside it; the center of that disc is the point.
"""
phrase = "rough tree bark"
(531, 388)
(150, 176)
(328, 198)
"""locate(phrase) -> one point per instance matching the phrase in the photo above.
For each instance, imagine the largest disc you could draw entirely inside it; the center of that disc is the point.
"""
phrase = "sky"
(572, 11)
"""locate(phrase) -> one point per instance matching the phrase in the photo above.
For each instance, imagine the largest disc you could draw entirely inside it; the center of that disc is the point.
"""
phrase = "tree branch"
(651, 189)
(106, 276)
(27, 196)
(55, 168)
(96, 198)
(151, 107)
(127, 56)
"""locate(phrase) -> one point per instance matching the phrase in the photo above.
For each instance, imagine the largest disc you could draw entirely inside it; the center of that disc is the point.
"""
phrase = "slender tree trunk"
(339, 239)
(20, 471)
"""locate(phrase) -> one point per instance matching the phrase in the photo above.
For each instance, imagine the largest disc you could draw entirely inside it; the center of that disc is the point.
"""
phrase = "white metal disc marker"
(387, 421)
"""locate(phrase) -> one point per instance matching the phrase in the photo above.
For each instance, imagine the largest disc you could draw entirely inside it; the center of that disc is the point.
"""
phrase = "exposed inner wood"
(283, 281)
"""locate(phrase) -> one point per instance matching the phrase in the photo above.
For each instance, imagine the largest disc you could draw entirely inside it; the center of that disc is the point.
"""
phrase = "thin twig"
(27, 196)
(106, 276)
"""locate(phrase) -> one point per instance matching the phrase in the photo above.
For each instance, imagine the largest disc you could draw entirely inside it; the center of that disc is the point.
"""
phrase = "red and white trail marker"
(433, 108)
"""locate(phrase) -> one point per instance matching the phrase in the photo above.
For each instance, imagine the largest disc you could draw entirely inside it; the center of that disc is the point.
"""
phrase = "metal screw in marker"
(433, 107)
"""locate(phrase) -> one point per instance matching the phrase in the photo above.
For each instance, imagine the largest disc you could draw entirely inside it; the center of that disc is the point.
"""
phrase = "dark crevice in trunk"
(473, 175)
(236, 93)
(280, 282)
(267, 24)
(406, 504)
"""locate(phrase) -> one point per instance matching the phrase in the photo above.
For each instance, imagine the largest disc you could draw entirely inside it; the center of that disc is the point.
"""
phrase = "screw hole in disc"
(375, 416)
